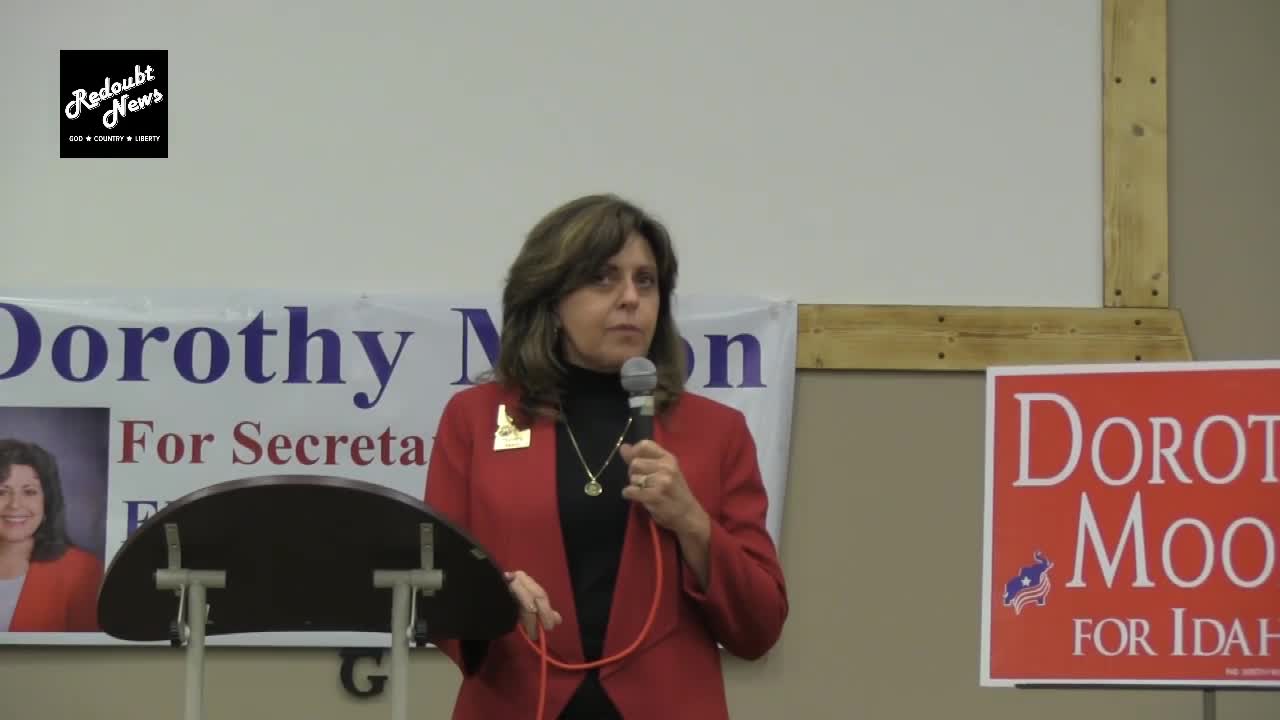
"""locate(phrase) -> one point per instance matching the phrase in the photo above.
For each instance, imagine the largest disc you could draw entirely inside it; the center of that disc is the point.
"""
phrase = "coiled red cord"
(541, 647)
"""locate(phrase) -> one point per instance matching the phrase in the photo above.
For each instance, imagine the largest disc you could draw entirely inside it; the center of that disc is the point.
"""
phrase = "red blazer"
(507, 501)
(60, 595)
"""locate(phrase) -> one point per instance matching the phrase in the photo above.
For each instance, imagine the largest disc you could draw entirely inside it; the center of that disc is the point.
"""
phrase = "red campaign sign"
(1132, 518)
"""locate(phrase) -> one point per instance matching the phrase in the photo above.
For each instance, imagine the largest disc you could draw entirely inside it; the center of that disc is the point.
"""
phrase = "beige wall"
(887, 477)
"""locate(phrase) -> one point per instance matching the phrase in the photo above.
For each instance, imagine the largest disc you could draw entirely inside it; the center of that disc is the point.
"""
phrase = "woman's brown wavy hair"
(560, 254)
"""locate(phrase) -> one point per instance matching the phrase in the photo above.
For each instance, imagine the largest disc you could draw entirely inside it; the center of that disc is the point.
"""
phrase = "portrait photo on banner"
(53, 514)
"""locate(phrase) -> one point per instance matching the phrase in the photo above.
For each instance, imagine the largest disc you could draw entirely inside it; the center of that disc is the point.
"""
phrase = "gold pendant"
(593, 488)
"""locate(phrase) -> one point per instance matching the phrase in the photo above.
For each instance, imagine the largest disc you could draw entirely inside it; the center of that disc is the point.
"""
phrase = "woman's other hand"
(535, 607)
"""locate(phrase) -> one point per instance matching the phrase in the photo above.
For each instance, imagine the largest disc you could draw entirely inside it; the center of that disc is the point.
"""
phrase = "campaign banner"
(1131, 520)
(125, 401)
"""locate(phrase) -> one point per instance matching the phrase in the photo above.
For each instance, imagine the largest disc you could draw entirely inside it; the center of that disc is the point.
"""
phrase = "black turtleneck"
(594, 413)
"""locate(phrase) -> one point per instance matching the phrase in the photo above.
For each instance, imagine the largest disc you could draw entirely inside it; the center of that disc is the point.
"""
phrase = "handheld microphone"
(640, 378)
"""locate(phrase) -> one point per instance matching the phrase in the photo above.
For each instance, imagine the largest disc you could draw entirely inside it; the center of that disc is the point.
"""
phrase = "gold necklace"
(593, 487)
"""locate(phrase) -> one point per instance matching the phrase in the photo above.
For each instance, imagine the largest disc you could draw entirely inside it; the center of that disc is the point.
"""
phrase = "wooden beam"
(876, 337)
(1135, 154)
(1134, 323)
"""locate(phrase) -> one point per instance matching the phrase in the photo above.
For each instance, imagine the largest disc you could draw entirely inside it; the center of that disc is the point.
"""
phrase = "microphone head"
(639, 375)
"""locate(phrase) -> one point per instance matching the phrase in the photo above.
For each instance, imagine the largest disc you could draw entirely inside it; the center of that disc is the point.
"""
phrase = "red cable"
(541, 647)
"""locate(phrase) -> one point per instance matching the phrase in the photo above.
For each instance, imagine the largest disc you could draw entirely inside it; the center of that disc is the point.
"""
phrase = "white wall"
(916, 151)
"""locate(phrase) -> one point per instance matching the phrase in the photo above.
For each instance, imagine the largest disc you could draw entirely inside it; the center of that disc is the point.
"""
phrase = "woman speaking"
(631, 558)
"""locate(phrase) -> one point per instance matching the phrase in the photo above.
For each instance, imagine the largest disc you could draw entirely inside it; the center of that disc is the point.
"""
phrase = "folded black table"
(301, 553)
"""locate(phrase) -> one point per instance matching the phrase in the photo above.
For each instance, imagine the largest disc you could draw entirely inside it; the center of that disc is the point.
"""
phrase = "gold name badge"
(508, 436)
